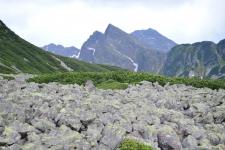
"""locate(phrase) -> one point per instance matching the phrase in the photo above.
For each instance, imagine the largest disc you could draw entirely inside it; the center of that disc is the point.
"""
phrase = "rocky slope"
(55, 116)
(71, 52)
(118, 48)
(153, 39)
(205, 59)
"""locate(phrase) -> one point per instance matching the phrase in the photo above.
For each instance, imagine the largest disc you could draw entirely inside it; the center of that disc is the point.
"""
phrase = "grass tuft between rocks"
(130, 144)
(111, 84)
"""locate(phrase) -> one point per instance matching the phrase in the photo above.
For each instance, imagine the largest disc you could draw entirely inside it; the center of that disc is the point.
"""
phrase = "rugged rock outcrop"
(55, 116)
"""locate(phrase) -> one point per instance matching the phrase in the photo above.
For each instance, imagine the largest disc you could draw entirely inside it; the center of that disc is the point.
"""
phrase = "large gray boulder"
(168, 139)
(112, 136)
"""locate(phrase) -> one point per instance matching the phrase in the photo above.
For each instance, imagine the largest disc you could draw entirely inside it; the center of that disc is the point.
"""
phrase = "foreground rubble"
(55, 116)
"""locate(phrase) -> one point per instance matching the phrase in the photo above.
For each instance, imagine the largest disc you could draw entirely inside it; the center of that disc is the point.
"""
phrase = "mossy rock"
(129, 144)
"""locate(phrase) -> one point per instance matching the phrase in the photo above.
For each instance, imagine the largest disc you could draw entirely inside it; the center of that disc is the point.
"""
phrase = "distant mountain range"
(150, 51)
(203, 59)
(72, 51)
(20, 56)
(117, 48)
(142, 50)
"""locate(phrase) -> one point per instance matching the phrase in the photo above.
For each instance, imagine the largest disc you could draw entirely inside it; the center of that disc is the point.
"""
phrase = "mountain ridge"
(58, 49)
(152, 38)
(116, 47)
(20, 56)
(202, 59)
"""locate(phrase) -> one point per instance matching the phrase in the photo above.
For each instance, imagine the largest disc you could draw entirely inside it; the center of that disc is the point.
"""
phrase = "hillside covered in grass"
(18, 55)
(121, 79)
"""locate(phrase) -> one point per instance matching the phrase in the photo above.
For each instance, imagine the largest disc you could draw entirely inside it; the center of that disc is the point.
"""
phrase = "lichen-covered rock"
(9, 137)
(189, 142)
(168, 139)
(89, 86)
(62, 137)
(43, 125)
(112, 136)
(55, 116)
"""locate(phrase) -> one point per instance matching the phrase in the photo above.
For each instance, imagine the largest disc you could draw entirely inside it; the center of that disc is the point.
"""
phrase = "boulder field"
(55, 116)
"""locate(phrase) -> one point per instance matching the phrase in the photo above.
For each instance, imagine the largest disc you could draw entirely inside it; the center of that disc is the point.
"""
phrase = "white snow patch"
(131, 60)
(73, 56)
(63, 64)
(91, 49)
(151, 38)
(76, 56)
(134, 64)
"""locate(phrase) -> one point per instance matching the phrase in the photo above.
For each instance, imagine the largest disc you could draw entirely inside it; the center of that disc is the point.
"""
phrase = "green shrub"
(129, 144)
(103, 79)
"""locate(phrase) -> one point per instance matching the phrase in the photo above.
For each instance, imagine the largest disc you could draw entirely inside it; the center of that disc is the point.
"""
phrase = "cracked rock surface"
(65, 117)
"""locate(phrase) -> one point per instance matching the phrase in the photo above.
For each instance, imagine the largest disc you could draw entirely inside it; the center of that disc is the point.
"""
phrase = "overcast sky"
(71, 22)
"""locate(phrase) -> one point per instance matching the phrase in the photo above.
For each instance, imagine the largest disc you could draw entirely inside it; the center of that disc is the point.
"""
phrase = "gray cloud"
(70, 22)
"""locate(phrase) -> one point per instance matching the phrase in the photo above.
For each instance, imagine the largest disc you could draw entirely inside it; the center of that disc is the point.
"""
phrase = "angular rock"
(89, 86)
(190, 142)
(112, 136)
(167, 139)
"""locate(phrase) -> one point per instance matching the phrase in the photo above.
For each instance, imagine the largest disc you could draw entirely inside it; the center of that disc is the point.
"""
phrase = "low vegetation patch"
(111, 84)
(120, 79)
(129, 144)
(9, 78)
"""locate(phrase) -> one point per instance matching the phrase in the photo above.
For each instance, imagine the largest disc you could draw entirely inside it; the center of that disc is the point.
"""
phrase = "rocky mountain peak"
(113, 30)
(96, 34)
(111, 27)
(152, 38)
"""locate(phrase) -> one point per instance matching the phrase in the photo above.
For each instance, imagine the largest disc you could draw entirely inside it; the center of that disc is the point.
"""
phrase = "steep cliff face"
(116, 47)
(205, 59)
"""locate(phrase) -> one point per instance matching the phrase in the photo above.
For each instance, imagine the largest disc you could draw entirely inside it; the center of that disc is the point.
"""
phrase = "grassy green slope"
(18, 55)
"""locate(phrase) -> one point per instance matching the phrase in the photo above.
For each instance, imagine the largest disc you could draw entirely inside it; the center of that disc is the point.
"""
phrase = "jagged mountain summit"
(71, 51)
(118, 48)
(153, 39)
(20, 56)
(202, 59)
